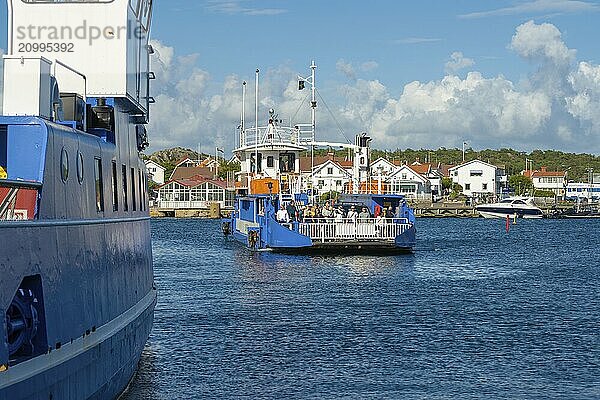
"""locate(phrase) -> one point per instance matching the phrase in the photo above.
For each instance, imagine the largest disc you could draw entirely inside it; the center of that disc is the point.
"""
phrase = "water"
(474, 313)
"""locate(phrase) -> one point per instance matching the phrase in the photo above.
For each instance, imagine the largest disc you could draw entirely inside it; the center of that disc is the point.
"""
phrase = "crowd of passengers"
(314, 213)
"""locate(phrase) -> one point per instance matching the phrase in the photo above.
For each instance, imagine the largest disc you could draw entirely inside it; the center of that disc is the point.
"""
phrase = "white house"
(411, 184)
(156, 172)
(382, 167)
(551, 181)
(581, 190)
(330, 176)
(478, 178)
(194, 193)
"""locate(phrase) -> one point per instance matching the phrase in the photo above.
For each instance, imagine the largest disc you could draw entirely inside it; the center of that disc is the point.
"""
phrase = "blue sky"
(411, 73)
(410, 40)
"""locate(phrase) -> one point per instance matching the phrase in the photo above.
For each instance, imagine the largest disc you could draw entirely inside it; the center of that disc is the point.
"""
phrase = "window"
(467, 186)
(476, 172)
(133, 198)
(404, 176)
(287, 162)
(407, 189)
(270, 162)
(484, 186)
(254, 165)
(115, 187)
(330, 171)
(140, 185)
(80, 167)
(99, 187)
(64, 165)
(338, 183)
(124, 177)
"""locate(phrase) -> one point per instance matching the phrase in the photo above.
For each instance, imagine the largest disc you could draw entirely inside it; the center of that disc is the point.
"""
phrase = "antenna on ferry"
(256, 123)
(313, 101)
(313, 108)
(243, 116)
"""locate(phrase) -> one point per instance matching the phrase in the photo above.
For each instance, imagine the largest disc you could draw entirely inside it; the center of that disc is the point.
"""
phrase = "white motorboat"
(521, 207)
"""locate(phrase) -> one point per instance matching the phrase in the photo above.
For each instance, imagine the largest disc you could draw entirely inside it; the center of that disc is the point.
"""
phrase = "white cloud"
(538, 7)
(235, 7)
(556, 106)
(346, 68)
(1, 79)
(369, 66)
(188, 114)
(349, 70)
(457, 62)
(541, 42)
(584, 104)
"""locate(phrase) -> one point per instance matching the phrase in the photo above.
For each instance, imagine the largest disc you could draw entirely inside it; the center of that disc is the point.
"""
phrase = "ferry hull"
(96, 367)
(402, 244)
(95, 305)
(347, 248)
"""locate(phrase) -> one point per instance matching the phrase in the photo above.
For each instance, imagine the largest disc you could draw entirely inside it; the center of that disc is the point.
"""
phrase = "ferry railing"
(365, 229)
(274, 134)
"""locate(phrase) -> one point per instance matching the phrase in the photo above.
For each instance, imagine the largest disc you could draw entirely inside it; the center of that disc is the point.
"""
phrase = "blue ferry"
(76, 279)
(277, 205)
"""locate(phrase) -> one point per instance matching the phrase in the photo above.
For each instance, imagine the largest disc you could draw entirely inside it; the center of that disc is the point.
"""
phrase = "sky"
(522, 74)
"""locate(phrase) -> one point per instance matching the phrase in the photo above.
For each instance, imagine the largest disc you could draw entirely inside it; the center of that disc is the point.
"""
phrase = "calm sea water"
(473, 313)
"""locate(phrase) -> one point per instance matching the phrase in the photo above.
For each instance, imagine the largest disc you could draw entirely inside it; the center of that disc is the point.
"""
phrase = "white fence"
(192, 204)
(366, 229)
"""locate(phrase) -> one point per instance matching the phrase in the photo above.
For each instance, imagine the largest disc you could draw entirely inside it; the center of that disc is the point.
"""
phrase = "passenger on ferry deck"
(292, 211)
(282, 215)
(389, 213)
(364, 215)
(327, 211)
(377, 210)
(352, 214)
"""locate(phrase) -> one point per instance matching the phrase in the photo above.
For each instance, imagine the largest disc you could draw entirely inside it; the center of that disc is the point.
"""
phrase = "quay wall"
(435, 210)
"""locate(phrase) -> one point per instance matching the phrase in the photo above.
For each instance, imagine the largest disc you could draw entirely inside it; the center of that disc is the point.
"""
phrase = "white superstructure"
(94, 48)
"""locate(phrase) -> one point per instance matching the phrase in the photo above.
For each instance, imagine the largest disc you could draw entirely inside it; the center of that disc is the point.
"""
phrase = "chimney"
(543, 169)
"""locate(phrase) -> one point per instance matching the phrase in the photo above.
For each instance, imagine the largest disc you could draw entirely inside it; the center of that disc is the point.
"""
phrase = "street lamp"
(591, 182)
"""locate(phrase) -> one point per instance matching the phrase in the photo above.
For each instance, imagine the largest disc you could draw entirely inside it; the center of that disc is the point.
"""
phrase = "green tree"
(447, 184)
(521, 184)
(225, 167)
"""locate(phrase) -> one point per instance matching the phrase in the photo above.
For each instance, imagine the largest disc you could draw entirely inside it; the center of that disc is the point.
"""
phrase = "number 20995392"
(50, 47)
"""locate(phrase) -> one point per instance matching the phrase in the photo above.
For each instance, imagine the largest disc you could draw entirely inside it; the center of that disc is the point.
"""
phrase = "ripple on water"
(475, 312)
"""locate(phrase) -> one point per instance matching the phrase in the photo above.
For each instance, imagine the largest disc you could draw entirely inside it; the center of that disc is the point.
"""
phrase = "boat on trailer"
(270, 180)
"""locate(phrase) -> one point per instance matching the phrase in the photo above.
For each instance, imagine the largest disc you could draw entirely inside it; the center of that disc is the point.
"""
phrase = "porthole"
(64, 165)
(80, 167)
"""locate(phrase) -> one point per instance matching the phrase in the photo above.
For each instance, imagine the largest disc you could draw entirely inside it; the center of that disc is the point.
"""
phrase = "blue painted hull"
(403, 243)
(99, 371)
(87, 259)
(98, 299)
